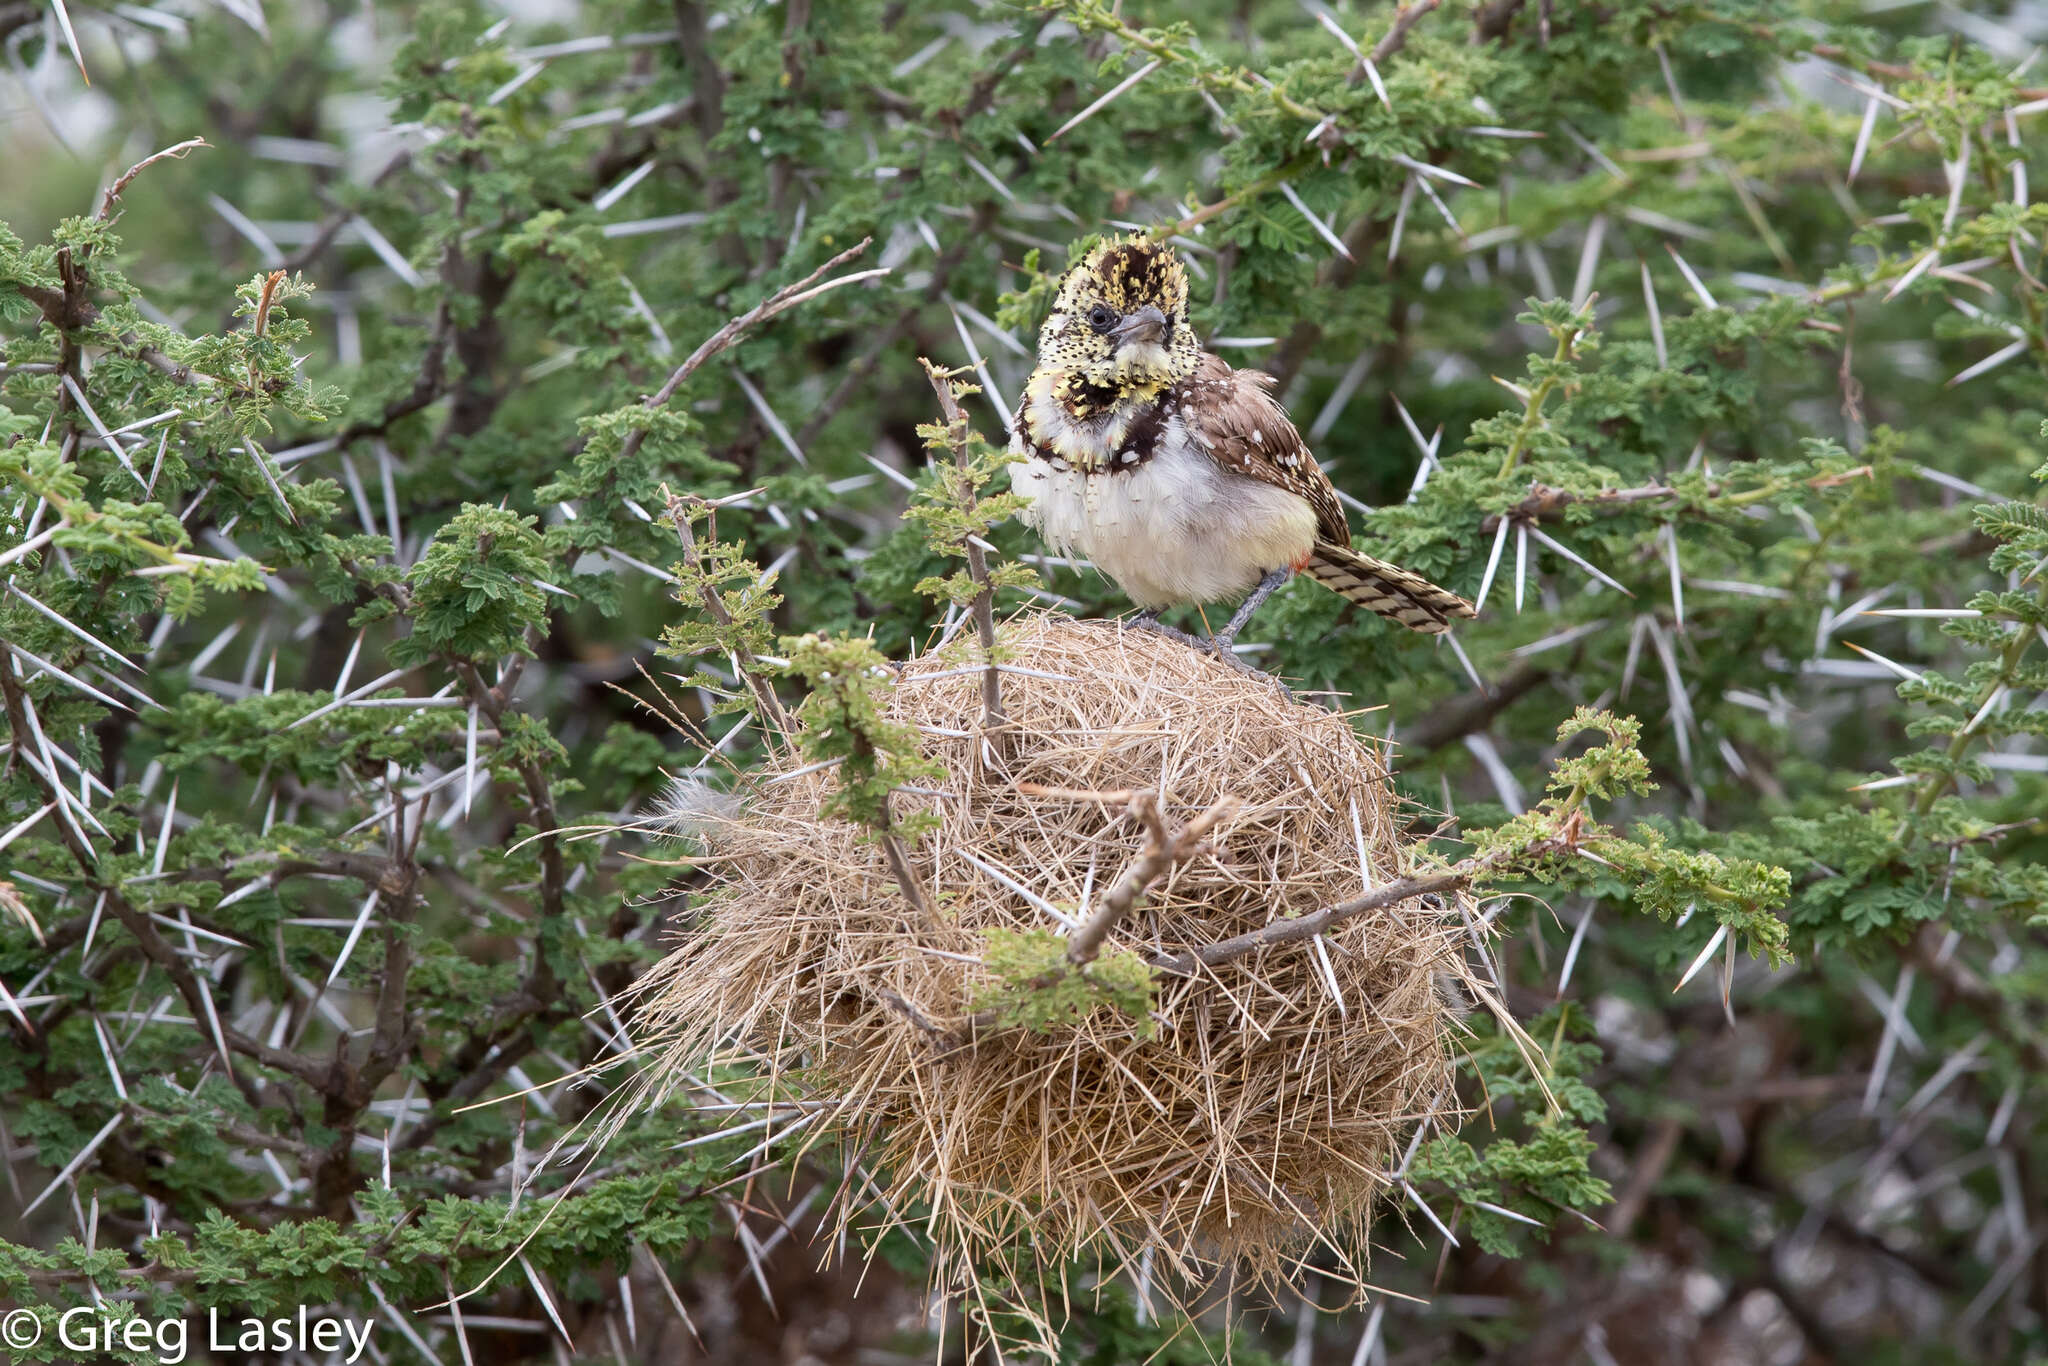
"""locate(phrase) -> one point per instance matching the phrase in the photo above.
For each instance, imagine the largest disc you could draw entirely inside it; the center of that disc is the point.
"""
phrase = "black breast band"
(1140, 443)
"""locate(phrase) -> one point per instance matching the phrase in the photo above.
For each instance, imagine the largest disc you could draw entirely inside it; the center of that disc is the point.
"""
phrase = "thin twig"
(993, 717)
(907, 880)
(765, 700)
(919, 1021)
(789, 296)
(1293, 929)
(1163, 852)
(1118, 796)
(1272, 180)
(114, 190)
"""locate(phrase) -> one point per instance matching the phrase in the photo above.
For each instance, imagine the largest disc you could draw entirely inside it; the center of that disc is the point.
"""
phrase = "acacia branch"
(372, 870)
(429, 385)
(2005, 676)
(983, 94)
(1547, 503)
(396, 1031)
(1397, 36)
(1856, 61)
(68, 310)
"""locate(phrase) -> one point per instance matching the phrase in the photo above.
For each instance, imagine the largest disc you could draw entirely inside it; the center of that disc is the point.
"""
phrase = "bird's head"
(1119, 329)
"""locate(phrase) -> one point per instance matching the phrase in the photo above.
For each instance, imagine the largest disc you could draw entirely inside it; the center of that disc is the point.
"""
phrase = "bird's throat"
(1091, 427)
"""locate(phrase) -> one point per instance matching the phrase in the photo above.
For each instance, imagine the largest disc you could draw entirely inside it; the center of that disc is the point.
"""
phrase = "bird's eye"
(1102, 317)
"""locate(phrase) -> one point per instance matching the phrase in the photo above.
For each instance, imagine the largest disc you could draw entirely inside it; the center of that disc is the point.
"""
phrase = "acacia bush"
(346, 624)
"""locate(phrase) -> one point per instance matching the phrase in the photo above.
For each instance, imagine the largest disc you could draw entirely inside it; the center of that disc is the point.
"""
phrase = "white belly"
(1177, 529)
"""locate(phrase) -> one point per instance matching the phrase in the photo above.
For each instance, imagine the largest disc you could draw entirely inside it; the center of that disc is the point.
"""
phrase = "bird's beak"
(1148, 324)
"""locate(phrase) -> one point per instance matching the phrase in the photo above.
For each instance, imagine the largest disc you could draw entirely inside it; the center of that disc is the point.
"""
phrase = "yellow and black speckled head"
(1118, 330)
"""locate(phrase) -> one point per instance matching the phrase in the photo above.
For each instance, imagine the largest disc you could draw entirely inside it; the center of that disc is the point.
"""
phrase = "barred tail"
(1387, 589)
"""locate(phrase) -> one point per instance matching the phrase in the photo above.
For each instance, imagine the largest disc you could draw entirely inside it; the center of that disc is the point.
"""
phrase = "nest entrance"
(1263, 1108)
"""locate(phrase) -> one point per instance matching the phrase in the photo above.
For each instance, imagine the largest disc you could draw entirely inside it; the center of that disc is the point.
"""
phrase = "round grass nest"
(1257, 1112)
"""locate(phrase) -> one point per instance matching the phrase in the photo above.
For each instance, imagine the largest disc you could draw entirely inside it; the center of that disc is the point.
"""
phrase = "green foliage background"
(265, 937)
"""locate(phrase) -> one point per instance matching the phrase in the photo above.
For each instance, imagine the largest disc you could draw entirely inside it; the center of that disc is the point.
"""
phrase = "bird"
(1178, 475)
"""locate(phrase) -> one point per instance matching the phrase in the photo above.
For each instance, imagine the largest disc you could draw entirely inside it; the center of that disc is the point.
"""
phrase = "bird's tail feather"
(1391, 591)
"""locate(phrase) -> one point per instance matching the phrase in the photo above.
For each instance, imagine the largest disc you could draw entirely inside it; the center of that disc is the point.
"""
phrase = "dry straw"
(1255, 1119)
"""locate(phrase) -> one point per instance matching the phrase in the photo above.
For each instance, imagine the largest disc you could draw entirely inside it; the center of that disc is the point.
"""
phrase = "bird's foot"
(1149, 621)
(1221, 648)
(1217, 646)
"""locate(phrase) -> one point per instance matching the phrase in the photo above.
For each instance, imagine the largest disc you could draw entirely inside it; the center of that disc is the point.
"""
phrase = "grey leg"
(1267, 586)
(1148, 620)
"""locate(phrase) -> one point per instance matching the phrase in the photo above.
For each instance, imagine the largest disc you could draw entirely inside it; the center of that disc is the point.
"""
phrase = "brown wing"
(1235, 419)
